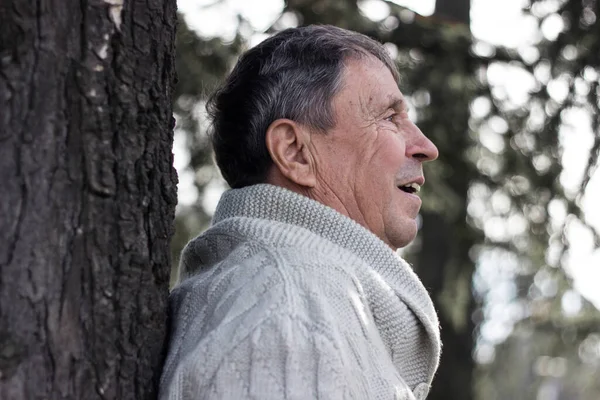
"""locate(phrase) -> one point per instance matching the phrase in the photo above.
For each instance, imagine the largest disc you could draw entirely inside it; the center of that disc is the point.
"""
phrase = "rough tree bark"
(87, 196)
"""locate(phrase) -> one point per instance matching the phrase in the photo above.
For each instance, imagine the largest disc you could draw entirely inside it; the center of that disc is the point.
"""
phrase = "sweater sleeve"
(282, 358)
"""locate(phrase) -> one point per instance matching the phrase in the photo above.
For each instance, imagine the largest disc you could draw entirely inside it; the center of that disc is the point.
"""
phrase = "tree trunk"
(446, 270)
(443, 262)
(88, 193)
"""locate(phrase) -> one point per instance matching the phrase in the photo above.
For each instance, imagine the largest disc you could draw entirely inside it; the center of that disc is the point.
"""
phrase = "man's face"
(367, 163)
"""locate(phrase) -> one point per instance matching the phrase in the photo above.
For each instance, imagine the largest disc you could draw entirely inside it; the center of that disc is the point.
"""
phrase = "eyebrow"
(393, 102)
(397, 103)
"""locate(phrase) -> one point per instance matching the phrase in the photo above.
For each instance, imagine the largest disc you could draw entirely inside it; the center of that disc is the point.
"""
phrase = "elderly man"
(296, 291)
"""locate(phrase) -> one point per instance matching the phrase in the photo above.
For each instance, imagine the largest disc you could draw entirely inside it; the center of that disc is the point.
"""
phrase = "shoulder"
(240, 250)
(257, 281)
(258, 276)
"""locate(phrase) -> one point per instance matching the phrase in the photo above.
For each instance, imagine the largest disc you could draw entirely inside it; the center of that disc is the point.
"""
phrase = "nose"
(420, 147)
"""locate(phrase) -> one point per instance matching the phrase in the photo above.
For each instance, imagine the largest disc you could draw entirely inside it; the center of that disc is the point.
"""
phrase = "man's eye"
(391, 118)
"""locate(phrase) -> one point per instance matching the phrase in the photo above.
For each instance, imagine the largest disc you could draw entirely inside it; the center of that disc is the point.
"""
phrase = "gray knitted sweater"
(285, 298)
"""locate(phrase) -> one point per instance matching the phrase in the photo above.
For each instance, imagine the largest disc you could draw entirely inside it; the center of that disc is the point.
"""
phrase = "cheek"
(390, 154)
(372, 166)
(376, 177)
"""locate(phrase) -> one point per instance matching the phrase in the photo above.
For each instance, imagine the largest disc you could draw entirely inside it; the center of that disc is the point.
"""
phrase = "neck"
(322, 194)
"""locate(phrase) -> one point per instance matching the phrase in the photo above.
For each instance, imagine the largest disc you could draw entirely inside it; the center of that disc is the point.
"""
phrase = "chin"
(402, 234)
(400, 244)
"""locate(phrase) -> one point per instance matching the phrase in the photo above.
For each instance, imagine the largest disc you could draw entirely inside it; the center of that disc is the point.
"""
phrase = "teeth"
(415, 186)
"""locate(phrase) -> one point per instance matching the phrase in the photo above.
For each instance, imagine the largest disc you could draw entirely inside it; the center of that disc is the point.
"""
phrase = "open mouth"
(411, 188)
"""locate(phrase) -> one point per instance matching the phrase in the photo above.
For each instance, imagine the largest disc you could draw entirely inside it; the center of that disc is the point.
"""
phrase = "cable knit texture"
(285, 298)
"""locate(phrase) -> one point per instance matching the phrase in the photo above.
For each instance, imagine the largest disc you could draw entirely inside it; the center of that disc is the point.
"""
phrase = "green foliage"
(529, 174)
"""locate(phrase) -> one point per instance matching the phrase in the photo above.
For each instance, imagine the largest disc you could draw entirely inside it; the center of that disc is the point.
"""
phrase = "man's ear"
(287, 143)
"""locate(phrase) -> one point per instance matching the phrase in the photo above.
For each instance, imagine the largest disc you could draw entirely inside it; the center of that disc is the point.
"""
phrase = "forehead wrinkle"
(368, 101)
(391, 101)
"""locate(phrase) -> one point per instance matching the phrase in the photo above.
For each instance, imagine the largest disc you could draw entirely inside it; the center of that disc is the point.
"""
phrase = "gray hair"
(294, 74)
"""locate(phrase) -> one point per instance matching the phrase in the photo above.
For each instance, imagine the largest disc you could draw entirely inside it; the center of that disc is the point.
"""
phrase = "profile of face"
(369, 166)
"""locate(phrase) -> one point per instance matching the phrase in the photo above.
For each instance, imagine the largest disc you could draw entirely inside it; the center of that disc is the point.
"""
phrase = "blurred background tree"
(496, 246)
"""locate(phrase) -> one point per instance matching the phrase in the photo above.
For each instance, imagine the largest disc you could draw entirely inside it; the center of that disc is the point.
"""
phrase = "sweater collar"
(275, 203)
